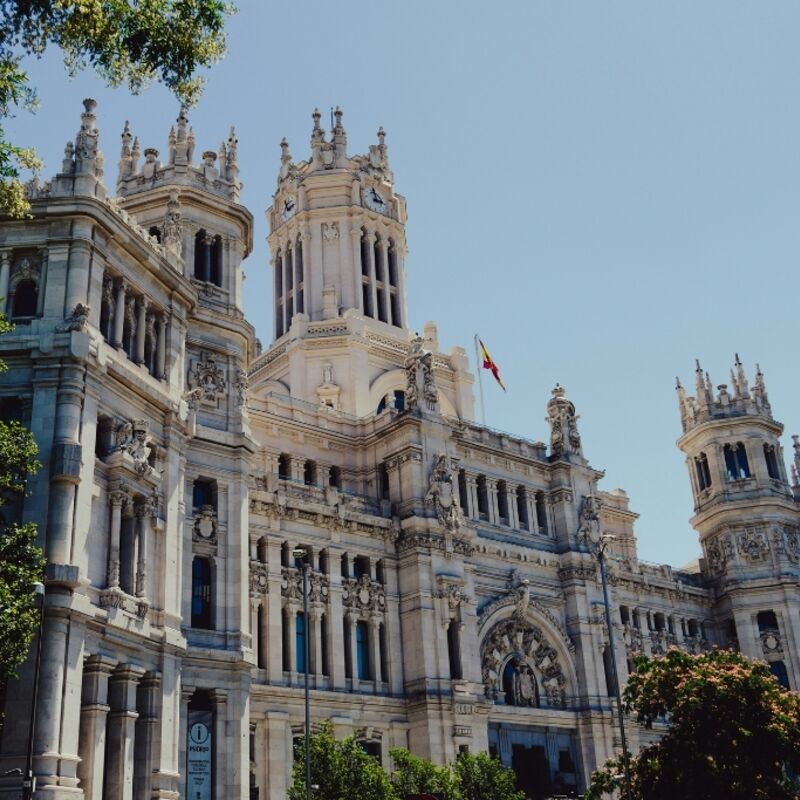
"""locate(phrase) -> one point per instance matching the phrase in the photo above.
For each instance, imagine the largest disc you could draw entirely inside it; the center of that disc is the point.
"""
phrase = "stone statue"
(442, 496)
(420, 383)
(563, 421)
(525, 691)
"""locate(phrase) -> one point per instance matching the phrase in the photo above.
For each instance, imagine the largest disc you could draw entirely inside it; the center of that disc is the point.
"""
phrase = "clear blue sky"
(604, 191)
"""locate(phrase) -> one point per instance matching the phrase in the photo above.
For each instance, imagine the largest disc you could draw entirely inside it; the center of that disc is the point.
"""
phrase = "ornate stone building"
(454, 598)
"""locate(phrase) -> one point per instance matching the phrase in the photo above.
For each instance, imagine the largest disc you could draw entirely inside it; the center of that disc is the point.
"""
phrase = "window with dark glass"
(201, 593)
(204, 493)
(771, 458)
(300, 641)
(362, 651)
(736, 464)
(703, 472)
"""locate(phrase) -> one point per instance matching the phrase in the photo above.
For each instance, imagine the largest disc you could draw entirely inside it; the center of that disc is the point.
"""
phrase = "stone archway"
(524, 645)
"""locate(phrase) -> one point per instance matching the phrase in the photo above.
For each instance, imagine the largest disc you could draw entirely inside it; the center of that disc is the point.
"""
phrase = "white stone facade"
(454, 600)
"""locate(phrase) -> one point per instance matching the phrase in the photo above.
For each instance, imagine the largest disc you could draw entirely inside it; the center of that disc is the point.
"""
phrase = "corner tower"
(745, 515)
(341, 333)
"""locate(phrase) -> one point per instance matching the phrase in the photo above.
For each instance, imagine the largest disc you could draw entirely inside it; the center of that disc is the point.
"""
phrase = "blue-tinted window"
(362, 651)
(778, 669)
(201, 593)
(300, 642)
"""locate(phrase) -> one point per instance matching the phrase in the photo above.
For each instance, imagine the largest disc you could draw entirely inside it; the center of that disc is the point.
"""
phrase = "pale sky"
(604, 191)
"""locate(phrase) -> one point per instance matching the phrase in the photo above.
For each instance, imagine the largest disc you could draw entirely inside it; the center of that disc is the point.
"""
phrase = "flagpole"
(480, 380)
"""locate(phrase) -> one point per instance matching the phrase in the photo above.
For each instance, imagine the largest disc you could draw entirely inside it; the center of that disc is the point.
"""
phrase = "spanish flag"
(489, 364)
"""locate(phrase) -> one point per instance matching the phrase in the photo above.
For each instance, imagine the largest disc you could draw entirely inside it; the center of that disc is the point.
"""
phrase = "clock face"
(289, 207)
(373, 199)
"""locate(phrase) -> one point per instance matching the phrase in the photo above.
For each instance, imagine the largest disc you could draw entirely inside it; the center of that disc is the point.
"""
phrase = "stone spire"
(339, 137)
(760, 396)
(125, 168)
(83, 160)
(796, 461)
(743, 390)
(564, 436)
(181, 141)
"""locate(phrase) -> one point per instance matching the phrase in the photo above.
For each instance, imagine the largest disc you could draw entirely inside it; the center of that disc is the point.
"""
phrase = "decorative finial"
(338, 115)
(285, 154)
(381, 136)
(316, 116)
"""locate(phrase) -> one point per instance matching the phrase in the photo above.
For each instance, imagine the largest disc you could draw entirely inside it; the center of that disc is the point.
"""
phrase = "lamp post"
(601, 544)
(28, 781)
(302, 552)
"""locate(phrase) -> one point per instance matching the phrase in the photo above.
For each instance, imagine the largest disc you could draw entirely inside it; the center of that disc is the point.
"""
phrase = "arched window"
(703, 472)
(508, 683)
(25, 299)
(208, 258)
(201, 593)
(771, 458)
(736, 464)
(362, 651)
(300, 641)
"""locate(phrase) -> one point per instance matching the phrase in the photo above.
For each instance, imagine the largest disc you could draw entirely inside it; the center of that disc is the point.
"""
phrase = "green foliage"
(21, 561)
(125, 43)
(341, 769)
(734, 732)
(480, 777)
(414, 775)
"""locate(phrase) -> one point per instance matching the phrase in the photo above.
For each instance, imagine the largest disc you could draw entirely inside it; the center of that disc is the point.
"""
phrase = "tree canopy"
(342, 769)
(21, 560)
(734, 732)
(125, 43)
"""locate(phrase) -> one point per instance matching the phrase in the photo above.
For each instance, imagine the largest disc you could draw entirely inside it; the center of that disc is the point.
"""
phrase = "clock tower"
(338, 244)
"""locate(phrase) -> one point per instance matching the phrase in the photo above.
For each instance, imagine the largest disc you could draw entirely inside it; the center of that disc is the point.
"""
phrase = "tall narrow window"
(383, 646)
(502, 501)
(299, 277)
(703, 472)
(383, 481)
(348, 649)
(25, 300)
(201, 593)
(310, 473)
(261, 655)
(216, 261)
(335, 477)
(541, 512)
(483, 497)
(741, 460)
(772, 462)
(286, 642)
(278, 267)
(462, 491)
(300, 641)
(454, 649)
(204, 493)
(362, 651)
(778, 669)
(366, 287)
(736, 464)
(284, 466)
(609, 674)
(522, 508)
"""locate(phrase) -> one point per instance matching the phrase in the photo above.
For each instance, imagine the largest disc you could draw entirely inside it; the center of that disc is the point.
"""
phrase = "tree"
(124, 42)
(340, 768)
(480, 777)
(21, 561)
(414, 775)
(734, 731)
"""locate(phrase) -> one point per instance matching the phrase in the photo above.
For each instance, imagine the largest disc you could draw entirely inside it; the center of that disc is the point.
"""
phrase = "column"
(278, 754)
(274, 615)
(533, 517)
(161, 347)
(121, 732)
(491, 492)
(144, 514)
(355, 244)
(65, 465)
(80, 257)
(141, 328)
(317, 644)
(386, 299)
(297, 252)
(5, 272)
(511, 505)
(291, 625)
(305, 253)
(375, 650)
(223, 755)
(94, 710)
(146, 729)
(119, 313)
(472, 496)
(118, 498)
(373, 288)
(335, 643)
(353, 620)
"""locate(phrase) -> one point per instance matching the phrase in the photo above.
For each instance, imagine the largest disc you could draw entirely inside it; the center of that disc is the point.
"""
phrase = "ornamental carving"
(533, 663)
(632, 637)
(564, 436)
(753, 544)
(241, 387)
(442, 496)
(205, 525)
(206, 381)
(771, 642)
(589, 519)
(317, 587)
(330, 232)
(78, 320)
(788, 541)
(717, 554)
(292, 585)
(134, 439)
(421, 390)
(453, 593)
(258, 579)
(363, 595)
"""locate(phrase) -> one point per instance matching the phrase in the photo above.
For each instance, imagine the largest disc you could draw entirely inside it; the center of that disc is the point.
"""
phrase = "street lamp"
(601, 542)
(302, 552)
(28, 781)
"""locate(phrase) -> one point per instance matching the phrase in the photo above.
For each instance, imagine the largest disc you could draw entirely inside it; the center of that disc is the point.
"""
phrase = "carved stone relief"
(206, 381)
(442, 495)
